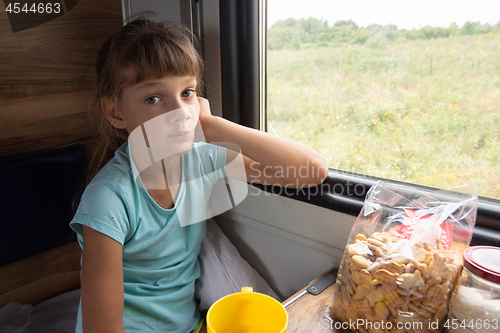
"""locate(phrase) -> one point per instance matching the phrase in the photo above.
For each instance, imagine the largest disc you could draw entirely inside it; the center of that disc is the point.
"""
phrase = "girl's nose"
(180, 114)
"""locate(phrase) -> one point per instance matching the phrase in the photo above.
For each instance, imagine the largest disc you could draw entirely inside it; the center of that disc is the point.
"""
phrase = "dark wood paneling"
(41, 276)
(46, 76)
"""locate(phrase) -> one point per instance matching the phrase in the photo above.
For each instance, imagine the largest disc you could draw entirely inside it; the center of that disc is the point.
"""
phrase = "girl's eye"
(152, 100)
(188, 93)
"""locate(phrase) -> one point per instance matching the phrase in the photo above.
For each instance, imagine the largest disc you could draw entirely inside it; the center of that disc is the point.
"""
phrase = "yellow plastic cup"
(247, 312)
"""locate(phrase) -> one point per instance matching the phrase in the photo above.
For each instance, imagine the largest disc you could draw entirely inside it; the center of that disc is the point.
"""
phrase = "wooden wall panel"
(42, 276)
(46, 75)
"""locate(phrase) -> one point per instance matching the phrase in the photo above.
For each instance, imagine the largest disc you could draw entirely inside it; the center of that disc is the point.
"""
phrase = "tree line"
(294, 33)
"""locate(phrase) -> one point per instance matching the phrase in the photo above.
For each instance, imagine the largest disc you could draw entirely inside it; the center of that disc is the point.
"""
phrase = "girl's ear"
(112, 113)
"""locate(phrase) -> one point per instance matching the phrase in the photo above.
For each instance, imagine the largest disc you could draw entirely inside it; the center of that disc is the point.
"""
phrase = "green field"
(422, 111)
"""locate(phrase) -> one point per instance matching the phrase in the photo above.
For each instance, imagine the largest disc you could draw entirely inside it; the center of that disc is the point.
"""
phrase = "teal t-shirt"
(160, 257)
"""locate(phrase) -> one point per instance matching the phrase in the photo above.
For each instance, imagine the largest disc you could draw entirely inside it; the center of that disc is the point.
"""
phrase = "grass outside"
(424, 112)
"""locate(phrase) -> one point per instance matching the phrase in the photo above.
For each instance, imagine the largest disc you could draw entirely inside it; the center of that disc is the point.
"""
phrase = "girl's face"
(168, 109)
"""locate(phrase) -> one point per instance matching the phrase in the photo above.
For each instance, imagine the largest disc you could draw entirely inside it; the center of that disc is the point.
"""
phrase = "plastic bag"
(402, 258)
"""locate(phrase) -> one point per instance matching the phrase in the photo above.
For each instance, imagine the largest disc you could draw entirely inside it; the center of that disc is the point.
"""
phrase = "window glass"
(402, 90)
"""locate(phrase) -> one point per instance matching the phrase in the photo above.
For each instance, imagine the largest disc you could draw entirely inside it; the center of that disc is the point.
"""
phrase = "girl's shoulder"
(116, 171)
(204, 149)
(119, 173)
(209, 156)
(106, 205)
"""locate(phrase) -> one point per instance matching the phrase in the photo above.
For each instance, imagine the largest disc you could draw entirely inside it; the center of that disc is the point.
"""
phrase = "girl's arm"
(102, 283)
(268, 159)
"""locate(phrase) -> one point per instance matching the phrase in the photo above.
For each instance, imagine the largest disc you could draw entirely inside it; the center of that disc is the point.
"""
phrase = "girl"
(139, 265)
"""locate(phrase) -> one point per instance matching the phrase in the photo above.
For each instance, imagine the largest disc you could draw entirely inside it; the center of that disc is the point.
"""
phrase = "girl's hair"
(143, 49)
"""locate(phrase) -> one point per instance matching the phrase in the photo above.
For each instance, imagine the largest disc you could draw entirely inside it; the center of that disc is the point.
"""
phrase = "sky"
(406, 14)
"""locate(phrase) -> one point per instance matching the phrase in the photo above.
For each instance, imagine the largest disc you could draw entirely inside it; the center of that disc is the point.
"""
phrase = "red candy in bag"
(411, 216)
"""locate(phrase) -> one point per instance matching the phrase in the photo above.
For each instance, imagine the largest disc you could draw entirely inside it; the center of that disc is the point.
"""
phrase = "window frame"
(241, 88)
(243, 34)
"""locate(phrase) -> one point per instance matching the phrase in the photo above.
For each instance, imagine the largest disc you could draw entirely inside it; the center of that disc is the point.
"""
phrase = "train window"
(383, 89)
(390, 89)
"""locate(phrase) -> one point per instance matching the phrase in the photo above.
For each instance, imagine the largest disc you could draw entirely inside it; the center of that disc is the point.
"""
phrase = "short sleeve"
(218, 159)
(211, 160)
(103, 208)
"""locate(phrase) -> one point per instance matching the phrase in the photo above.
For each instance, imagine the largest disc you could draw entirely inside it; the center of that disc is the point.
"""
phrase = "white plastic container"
(475, 302)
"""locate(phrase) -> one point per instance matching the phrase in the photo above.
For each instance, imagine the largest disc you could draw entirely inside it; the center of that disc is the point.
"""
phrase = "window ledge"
(345, 193)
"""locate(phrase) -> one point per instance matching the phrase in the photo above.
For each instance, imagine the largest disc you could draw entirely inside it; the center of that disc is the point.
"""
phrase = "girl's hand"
(205, 117)
(204, 109)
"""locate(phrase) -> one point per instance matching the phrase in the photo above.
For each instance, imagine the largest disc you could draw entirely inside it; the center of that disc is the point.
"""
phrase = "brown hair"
(143, 49)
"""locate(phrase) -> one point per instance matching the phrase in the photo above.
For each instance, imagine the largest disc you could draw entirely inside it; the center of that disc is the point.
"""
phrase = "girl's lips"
(181, 135)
